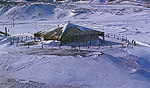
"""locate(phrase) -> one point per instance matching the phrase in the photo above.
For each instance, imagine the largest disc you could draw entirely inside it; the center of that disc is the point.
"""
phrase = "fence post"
(114, 35)
(28, 45)
(118, 37)
(122, 38)
(135, 43)
(18, 38)
(34, 38)
(11, 41)
(79, 47)
(17, 43)
(132, 41)
(108, 35)
(26, 38)
(110, 45)
(13, 38)
(6, 34)
(122, 45)
(21, 38)
(88, 47)
(42, 45)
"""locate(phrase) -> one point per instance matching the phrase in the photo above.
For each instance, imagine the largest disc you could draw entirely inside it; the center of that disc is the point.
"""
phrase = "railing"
(124, 42)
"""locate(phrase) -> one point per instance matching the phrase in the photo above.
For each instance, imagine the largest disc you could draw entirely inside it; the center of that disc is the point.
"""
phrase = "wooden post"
(18, 38)
(108, 35)
(13, 22)
(6, 31)
(26, 38)
(34, 39)
(11, 41)
(17, 43)
(21, 38)
(110, 45)
(88, 47)
(135, 43)
(122, 45)
(83, 40)
(42, 45)
(13, 38)
(79, 47)
(117, 37)
(122, 38)
(90, 40)
(28, 45)
(103, 38)
(132, 41)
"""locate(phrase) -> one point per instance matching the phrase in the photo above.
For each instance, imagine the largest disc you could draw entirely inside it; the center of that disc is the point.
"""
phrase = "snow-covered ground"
(51, 66)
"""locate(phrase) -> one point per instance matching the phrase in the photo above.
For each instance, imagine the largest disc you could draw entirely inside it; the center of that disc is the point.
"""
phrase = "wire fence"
(28, 41)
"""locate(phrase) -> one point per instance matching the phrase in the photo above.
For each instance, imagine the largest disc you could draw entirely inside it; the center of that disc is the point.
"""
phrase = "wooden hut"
(71, 33)
(74, 33)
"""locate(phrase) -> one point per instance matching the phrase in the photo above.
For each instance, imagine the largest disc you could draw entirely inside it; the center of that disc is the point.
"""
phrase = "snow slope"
(95, 71)
(116, 68)
(27, 11)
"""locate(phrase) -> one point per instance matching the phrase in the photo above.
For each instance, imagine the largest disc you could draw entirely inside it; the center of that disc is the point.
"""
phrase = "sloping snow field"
(107, 66)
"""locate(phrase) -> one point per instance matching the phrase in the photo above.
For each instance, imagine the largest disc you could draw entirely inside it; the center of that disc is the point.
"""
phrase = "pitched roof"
(56, 32)
(72, 29)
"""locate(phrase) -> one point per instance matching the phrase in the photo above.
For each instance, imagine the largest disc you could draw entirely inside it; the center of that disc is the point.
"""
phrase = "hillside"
(116, 63)
(47, 11)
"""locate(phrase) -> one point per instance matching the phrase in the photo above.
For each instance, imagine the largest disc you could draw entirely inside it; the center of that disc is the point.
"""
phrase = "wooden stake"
(28, 45)
(17, 43)
(114, 35)
(79, 47)
(108, 35)
(26, 38)
(122, 45)
(42, 45)
(110, 45)
(13, 22)
(6, 31)
(11, 41)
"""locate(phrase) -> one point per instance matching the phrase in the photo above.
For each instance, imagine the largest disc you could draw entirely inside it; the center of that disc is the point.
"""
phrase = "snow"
(88, 67)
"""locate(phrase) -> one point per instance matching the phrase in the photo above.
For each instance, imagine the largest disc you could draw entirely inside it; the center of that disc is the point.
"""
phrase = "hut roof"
(69, 29)
(72, 29)
(56, 32)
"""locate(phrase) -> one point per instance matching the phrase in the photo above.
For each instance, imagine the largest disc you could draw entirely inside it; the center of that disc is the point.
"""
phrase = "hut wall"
(48, 37)
(79, 38)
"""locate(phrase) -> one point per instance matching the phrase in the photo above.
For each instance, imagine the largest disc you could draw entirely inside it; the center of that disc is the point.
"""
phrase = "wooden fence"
(123, 39)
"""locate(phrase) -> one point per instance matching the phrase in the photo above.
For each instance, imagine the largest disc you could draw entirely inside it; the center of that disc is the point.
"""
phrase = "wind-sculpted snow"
(27, 11)
(40, 11)
(92, 70)
(113, 64)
